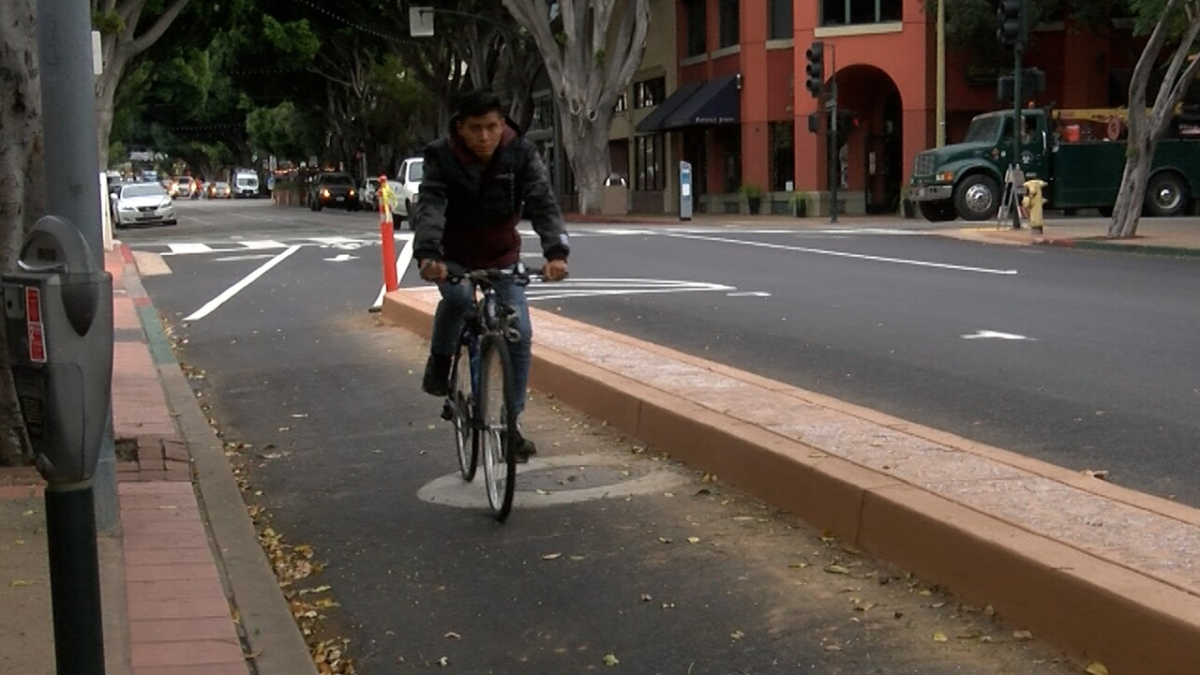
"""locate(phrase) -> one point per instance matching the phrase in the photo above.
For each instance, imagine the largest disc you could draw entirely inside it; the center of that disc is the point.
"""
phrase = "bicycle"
(482, 395)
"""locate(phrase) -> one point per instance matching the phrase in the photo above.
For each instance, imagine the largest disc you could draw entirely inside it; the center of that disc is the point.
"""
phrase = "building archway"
(873, 156)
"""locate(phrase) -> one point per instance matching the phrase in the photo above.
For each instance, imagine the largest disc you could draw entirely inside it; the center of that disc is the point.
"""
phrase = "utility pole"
(1014, 30)
(74, 508)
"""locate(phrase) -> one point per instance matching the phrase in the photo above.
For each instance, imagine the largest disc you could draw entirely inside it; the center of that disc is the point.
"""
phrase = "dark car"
(333, 189)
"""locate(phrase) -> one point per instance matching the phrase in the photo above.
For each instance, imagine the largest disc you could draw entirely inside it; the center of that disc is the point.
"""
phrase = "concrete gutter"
(1102, 572)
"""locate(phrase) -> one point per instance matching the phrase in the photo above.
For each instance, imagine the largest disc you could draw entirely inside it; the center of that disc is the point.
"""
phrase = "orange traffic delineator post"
(387, 234)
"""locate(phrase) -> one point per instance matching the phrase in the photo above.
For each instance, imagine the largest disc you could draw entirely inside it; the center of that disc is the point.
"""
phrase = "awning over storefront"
(715, 103)
(653, 122)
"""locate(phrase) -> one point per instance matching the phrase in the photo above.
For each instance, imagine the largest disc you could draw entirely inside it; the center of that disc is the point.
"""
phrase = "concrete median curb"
(1100, 571)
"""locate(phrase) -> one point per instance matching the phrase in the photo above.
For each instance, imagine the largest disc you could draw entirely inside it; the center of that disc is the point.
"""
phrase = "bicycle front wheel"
(497, 396)
(462, 413)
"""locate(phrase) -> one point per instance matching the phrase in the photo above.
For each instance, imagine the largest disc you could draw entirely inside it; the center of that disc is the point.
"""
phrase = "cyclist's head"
(480, 122)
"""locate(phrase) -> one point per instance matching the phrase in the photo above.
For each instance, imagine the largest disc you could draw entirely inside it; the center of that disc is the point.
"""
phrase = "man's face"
(482, 134)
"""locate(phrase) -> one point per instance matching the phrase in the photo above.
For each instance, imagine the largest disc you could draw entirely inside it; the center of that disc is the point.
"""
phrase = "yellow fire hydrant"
(1033, 201)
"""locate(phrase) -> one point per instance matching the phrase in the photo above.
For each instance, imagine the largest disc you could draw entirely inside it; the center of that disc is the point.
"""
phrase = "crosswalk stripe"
(260, 245)
(185, 249)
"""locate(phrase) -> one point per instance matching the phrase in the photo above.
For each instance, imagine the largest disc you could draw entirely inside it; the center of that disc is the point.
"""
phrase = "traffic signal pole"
(835, 168)
(1013, 31)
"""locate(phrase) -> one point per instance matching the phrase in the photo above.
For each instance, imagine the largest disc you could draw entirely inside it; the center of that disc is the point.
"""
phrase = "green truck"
(1080, 154)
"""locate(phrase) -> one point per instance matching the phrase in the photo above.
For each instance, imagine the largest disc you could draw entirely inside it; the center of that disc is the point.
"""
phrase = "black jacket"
(470, 217)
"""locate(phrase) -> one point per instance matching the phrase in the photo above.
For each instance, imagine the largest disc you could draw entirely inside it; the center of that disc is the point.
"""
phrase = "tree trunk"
(586, 145)
(22, 175)
(1146, 130)
(1128, 209)
(591, 59)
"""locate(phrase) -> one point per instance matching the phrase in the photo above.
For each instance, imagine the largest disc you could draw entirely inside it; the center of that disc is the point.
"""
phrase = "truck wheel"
(977, 197)
(937, 212)
(1166, 195)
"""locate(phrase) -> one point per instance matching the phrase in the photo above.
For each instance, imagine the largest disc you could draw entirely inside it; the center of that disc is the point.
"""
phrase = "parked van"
(245, 184)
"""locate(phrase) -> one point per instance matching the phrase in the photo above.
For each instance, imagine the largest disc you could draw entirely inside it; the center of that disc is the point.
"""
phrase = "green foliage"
(108, 23)
(293, 40)
(751, 190)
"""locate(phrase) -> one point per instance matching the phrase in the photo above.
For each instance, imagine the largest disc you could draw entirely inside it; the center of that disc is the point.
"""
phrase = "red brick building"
(738, 111)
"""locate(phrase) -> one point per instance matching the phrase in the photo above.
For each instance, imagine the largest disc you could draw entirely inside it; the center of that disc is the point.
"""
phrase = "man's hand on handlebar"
(433, 270)
(555, 270)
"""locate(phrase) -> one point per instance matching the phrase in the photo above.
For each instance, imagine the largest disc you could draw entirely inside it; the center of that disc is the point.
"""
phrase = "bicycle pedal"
(447, 411)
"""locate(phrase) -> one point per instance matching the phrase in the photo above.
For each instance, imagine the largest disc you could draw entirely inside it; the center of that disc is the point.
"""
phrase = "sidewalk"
(188, 590)
(169, 575)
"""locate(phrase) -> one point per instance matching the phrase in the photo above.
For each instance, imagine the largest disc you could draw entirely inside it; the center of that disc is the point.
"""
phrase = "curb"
(1079, 601)
(1105, 245)
(266, 625)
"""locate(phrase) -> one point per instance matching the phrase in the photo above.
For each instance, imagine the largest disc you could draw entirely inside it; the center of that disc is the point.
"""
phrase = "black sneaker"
(437, 376)
(523, 447)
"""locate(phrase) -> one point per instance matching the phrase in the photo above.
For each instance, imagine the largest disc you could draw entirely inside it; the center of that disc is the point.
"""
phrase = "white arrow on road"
(994, 335)
(342, 258)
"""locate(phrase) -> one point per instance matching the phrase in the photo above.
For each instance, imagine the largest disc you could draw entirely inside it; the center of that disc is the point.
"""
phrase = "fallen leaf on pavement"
(940, 637)
(646, 597)
(17, 583)
(451, 635)
(1096, 668)
(610, 660)
(552, 556)
(1022, 635)
(836, 569)
(1102, 475)
(737, 635)
(693, 540)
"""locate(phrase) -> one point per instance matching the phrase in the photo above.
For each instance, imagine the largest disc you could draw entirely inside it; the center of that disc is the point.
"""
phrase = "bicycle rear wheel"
(462, 413)
(497, 397)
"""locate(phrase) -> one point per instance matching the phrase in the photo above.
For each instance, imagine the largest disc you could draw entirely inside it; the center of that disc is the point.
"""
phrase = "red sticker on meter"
(33, 319)
(33, 305)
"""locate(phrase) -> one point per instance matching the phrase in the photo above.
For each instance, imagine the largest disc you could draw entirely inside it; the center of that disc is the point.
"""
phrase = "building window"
(697, 27)
(649, 92)
(622, 103)
(728, 27)
(648, 160)
(779, 20)
(783, 155)
(849, 12)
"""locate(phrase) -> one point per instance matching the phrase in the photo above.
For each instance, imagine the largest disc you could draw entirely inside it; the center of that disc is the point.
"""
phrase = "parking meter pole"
(74, 579)
(64, 32)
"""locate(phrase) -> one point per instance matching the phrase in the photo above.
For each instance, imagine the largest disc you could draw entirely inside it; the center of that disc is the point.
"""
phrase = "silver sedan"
(142, 203)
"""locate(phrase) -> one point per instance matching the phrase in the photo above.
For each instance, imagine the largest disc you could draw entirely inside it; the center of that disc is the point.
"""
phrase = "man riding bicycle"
(478, 183)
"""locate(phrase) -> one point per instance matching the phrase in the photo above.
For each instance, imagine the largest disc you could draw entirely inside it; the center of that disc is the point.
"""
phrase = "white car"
(142, 203)
(408, 186)
(367, 190)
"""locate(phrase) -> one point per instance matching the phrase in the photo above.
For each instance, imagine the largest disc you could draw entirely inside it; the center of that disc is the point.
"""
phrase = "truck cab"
(967, 179)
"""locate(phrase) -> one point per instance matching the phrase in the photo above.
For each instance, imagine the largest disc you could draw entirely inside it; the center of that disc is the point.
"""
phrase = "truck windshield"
(984, 129)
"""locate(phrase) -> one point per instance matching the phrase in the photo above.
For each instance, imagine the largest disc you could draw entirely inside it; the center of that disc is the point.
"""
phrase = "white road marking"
(237, 258)
(186, 249)
(749, 294)
(843, 254)
(342, 258)
(150, 264)
(258, 245)
(585, 288)
(236, 288)
(402, 262)
(994, 335)
(331, 241)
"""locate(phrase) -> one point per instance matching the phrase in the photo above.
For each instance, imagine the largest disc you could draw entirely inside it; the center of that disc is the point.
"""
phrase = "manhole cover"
(548, 481)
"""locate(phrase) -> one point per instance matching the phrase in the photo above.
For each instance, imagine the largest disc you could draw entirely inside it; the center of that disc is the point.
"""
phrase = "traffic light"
(815, 70)
(1011, 15)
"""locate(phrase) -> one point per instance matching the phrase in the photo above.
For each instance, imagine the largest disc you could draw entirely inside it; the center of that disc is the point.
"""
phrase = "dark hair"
(479, 102)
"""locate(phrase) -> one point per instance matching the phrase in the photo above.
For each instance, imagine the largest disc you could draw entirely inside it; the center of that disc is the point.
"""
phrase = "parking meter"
(59, 323)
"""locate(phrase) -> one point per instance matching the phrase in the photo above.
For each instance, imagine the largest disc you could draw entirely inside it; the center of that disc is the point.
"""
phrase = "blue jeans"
(448, 325)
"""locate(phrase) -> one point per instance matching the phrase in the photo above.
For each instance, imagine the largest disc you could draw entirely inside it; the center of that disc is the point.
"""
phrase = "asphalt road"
(668, 573)
(1084, 360)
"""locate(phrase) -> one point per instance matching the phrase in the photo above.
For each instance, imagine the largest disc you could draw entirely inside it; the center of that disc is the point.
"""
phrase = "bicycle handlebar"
(520, 273)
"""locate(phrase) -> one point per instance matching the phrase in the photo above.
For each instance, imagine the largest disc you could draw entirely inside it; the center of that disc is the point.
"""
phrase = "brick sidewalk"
(179, 621)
